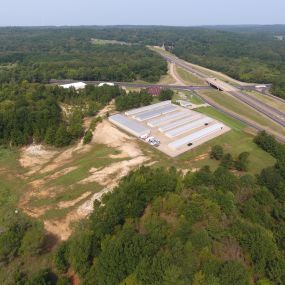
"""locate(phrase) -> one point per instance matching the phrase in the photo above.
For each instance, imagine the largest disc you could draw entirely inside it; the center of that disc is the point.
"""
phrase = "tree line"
(160, 226)
(39, 55)
(34, 112)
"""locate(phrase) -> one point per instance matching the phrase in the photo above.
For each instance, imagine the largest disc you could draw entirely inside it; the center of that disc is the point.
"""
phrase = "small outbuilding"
(106, 84)
(75, 85)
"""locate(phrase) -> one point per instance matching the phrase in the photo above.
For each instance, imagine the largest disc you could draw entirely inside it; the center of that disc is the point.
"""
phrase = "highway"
(263, 108)
(270, 112)
(239, 118)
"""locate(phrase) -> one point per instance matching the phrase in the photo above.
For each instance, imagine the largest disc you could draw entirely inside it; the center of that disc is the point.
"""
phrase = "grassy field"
(268, 100)
(234, 105)
(190, 96)
(13, 183)
(234, 142)
(108, 42)
(188, 77)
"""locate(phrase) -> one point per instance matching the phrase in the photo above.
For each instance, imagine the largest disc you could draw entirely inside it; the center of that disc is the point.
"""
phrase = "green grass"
(188, 77)
(234, 105)
(108, 42)
(267, 100)
(235, 141)
(67, 184)
(11, 184)
(190, 96)
(229, 121)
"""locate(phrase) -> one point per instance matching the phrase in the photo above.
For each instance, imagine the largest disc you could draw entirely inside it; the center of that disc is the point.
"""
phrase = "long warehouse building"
(188, 127)
(147, 108)
(167, 118)
(180, 122)
(191, 139)
(155, 113)
(129, 125)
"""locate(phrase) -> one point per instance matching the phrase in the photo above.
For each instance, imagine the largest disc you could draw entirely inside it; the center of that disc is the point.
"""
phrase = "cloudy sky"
(141, 12)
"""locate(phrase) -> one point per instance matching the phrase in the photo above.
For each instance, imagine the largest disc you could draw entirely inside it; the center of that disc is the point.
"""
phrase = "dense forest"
(34, 112)
(247, 53)
(38, 55)
(250, 54)
(159, 226)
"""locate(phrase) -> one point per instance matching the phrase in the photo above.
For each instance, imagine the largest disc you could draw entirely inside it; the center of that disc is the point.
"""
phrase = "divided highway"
(270, 112)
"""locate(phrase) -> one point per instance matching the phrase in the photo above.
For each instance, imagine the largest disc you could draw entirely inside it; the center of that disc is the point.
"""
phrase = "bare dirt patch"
(34, 157)
(174, 74)
(51, 164)
(110, 175)
(201, 157)
(109, 135)
(67, 204)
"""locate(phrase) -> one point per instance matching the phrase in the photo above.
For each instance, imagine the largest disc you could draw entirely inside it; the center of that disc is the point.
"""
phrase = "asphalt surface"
(272, 113)
(239, 118)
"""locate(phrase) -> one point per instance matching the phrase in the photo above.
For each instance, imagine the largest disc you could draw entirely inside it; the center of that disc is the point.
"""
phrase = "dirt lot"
(49, 199)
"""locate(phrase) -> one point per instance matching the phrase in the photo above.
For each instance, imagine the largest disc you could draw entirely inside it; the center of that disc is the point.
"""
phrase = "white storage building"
(188, 127)
(76, 85)
(178, 123)
(129, 125)
(106, 84)
(155, 112)
(191, 139)
(168, 118)
(146, 108)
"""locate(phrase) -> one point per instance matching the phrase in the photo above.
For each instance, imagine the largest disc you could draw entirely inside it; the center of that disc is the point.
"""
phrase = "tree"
(42, 277)
(242, 163)
(233, 272)
(88, 137)
(62, 137)
(61, 258)
(227, 161)
(63, 281)
(50, 136)
(217, 152)
(33, 240)
(166, 95)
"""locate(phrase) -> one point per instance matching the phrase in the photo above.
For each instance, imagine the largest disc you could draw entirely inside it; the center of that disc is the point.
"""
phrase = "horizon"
(183, 13)
(146, 25)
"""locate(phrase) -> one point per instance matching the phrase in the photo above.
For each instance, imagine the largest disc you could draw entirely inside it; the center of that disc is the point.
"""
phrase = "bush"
(242, 163)
(227, 161)
(61, 258)
(166, 95)
(233, 272)
(217, 152)
(88, 137)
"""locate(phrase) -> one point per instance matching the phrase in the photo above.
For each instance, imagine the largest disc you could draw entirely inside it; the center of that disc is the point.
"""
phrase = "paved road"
(138, 85)
(239, 118)
(181, 63)
(270, 112)
(274, 114)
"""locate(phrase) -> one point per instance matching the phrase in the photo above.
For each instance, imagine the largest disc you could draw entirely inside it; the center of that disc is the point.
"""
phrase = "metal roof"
(188, 127)
(191, 117)
(166, 118)
(155, 113)
(76, 85)
(129, 125)
(196, 136)
(146, 108)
